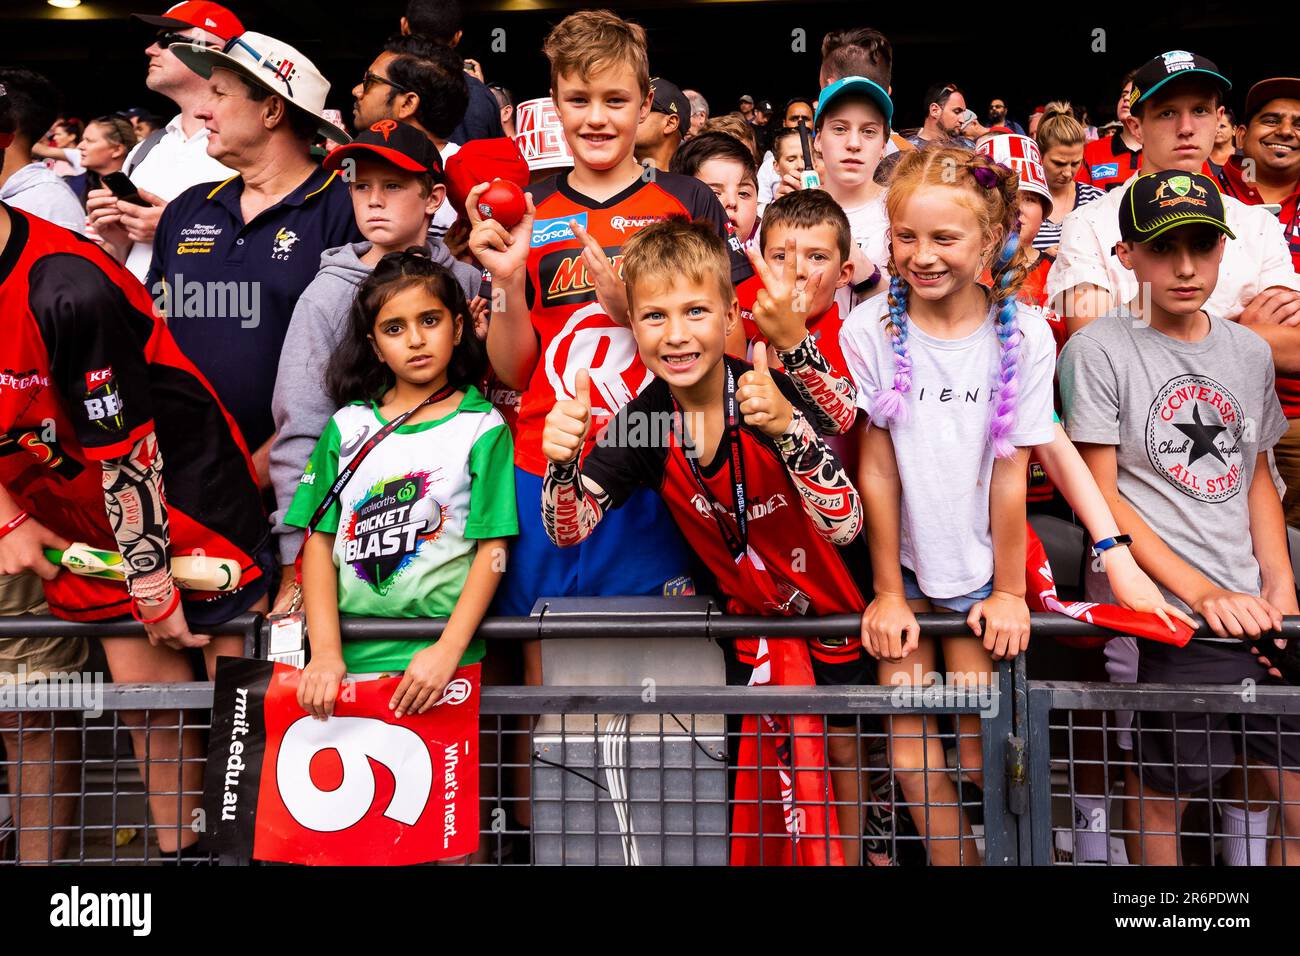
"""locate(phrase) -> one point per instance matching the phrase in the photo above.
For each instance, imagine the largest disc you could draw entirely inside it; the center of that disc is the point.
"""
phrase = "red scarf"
(783, 814)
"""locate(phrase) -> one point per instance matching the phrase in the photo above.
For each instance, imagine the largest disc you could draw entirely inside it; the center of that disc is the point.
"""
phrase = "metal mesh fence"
(568, 776)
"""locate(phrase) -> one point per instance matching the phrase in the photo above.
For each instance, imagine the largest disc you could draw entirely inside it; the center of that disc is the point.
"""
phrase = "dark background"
(1026, 52)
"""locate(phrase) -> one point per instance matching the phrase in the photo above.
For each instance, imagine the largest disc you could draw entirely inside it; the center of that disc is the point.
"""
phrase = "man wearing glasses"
(174, 158)
(420, 82)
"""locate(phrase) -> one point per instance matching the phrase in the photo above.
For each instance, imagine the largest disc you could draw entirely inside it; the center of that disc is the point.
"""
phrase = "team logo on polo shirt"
(1194, 436)
(284, 241)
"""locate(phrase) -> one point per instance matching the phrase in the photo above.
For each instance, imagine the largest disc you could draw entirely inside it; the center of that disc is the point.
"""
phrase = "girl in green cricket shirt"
(409, 495)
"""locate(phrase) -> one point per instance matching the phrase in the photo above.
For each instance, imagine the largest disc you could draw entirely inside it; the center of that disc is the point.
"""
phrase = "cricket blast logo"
(1194, 435)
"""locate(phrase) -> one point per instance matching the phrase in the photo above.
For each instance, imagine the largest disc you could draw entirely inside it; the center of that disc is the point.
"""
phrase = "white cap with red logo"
(272, 65)
(1020, 154)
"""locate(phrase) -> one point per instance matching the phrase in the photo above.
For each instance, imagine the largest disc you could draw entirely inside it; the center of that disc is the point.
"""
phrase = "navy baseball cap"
(1173, 65)
(1158, 202)
(668, 98)
(855, 84)
(398, 143)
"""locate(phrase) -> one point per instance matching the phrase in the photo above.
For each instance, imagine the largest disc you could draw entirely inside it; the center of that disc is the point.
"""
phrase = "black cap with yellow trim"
(1158, 202)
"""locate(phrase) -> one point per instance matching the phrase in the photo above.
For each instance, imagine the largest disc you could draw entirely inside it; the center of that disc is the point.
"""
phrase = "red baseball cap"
(203, 14)
(481, 161)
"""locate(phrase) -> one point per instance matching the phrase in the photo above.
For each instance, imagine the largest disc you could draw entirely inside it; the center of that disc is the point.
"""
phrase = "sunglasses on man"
(167, 38)
(370, 79)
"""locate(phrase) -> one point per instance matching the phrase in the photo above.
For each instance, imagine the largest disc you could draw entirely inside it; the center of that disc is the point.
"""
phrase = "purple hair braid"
(1009, 338)
(887, 404)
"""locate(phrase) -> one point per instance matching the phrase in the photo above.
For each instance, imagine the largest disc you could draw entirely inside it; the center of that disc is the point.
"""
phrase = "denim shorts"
(961, 603)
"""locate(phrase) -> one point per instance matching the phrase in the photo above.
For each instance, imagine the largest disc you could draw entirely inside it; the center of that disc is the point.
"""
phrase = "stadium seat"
(1067, 549)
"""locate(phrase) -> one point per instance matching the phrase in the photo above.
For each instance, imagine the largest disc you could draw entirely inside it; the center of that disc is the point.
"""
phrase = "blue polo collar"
(228, 193)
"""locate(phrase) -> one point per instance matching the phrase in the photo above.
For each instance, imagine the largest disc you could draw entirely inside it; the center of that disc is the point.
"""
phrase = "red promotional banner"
(361, 788)
(1041, 596)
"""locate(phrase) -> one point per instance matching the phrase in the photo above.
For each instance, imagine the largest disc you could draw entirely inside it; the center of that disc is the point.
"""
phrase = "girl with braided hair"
(957, 380)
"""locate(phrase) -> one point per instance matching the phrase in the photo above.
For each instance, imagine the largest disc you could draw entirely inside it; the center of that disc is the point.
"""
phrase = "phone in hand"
(808, 179)
(120, 185)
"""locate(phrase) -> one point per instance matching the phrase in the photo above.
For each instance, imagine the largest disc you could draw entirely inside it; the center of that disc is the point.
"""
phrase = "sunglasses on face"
(167, 38)
(370, 79)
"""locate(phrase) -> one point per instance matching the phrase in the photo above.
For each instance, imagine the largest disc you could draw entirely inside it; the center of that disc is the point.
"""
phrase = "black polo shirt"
(231, 286)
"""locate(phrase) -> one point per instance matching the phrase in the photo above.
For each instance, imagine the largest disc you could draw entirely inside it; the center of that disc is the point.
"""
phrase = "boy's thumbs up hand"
(567, 423)
(761, 401)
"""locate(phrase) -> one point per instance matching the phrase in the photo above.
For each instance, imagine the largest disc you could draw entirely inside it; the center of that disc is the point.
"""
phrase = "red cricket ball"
(504, 202)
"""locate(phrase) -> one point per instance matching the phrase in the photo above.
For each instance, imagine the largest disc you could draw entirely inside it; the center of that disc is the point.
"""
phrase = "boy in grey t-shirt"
(1174, 413)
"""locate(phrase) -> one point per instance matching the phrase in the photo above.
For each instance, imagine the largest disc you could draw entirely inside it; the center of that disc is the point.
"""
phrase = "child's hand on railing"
(889, 628)
(1230, 614)
(1136, 591)
(1004, 625)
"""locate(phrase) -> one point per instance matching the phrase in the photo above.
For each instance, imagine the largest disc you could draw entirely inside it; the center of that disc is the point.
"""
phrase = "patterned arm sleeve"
(828, 496)
(137, 513)
(833, 397)
(572, 505)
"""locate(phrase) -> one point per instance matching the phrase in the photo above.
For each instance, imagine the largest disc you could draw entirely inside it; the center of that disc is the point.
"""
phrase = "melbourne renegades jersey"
(573, 331)
(1108, 162)
(89, 370)
(784, 546)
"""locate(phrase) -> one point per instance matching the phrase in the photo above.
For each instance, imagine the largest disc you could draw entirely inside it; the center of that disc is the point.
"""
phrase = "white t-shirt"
(945, 459)
(445, 217)
(175, 163)
(869, 226)
(1257, 259)
(768, 177)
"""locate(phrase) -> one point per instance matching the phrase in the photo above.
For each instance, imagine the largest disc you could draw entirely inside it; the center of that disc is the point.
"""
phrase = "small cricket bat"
(191, 572)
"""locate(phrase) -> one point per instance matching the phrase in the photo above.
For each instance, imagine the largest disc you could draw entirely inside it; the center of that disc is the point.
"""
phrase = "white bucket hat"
(272, 65)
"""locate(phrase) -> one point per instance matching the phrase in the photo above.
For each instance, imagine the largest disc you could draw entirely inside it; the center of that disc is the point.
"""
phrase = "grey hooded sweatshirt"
(300, 404)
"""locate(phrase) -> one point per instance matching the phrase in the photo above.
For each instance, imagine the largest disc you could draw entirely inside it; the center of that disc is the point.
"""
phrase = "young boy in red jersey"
(806, 246)
(746, 439)
(555, 277)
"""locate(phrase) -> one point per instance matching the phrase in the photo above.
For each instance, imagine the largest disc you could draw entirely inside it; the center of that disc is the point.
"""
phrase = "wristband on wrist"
(155, 587)
(13, 523)
(168, 608)
(1105, 544)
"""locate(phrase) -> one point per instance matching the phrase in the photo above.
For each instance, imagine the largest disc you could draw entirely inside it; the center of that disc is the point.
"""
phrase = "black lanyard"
(737, 538)
(345, 475)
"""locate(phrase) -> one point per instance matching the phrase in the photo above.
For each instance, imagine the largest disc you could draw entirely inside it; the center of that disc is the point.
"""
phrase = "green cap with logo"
(1158, 202)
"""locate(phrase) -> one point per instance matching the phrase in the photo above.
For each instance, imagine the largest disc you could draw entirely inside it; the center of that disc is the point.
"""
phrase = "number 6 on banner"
(355, 739)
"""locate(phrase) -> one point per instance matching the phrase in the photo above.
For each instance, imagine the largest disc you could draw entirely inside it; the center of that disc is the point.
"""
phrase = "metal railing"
(613, 775)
